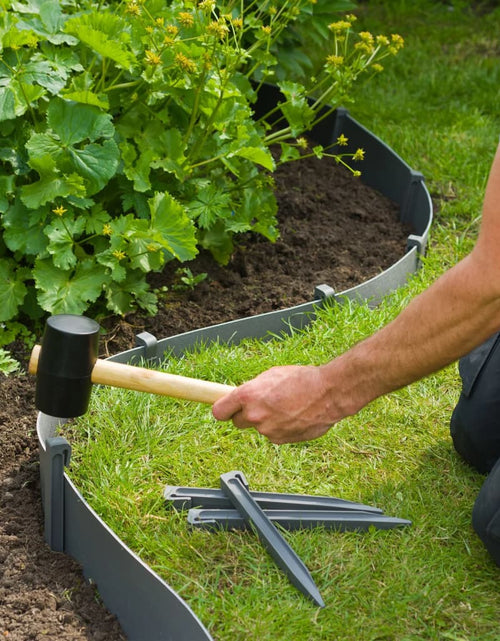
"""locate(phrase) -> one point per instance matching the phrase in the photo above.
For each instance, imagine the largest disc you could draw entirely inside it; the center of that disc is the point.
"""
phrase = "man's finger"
(240, 422)
(226, 407)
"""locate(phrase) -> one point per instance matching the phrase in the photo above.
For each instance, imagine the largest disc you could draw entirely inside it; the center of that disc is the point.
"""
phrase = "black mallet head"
(69, 350)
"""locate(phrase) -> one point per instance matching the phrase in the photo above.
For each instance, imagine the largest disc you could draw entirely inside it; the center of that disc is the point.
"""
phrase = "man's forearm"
(459, 311)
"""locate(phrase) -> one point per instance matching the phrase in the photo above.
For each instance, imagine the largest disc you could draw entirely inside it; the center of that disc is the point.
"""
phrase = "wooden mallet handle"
(142, 379)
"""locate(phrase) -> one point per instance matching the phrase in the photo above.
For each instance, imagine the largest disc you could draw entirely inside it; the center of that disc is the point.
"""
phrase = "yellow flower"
(342, 140)
(218, 29)
(172, 30)
(186, 19)
(266, 29)
(334, 61)
(339, 26)
(397, 43)
(302, 142)
(359, 154)
(397, 40)
(382, 40)
(185, 63)
(59, 211)
(133, 8)
(106, 230)
(118, 254)
(206, 5)
(152, 58)
(365, 46)
(237, 23)
(356, 173)
(366, 36)
(377, 67)
(160, 21)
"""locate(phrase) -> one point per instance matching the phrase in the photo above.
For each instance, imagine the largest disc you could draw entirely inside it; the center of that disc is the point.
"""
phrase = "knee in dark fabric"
(486, 513)
(475, 422)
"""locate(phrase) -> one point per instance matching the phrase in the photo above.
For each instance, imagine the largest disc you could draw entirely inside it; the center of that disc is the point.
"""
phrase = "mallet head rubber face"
(70, 347)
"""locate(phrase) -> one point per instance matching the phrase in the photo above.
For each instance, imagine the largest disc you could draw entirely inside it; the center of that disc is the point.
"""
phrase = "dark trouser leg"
(475, 423)
(486, 513)
(475, 429)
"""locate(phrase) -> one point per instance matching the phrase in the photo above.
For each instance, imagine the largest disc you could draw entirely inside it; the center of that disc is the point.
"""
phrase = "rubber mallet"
(66, 366)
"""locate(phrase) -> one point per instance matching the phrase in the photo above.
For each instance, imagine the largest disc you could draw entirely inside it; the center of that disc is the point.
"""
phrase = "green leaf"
(208, 205)
(296, 109)
(125, 296)
(146, 255)
(74, 122)
(96, 163)
(12, 288)
(16, 98)
(51, 15)
(6, 188)
(68, 292)
(24, 229)
(137, 169)
(62, 235)
(95, 219)
(137, 202)
(260, 155)
(218, 241)
(88, 98)
(58, 157)
(169, 148)
(8, 364)
(7, 104)
(118, 272)
(172, 227)
(288, 152)
(16, 38)
(49, 188)
(42, 150)
(42, 73)
(101, 33)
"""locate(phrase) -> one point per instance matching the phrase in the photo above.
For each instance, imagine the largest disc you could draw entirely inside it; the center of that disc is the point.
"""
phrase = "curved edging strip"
(147, 608)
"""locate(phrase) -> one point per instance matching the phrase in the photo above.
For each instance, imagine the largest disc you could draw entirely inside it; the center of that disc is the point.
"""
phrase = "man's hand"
(285, 404)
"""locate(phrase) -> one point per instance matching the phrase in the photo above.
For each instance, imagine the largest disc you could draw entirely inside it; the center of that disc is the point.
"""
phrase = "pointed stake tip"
(318, 601)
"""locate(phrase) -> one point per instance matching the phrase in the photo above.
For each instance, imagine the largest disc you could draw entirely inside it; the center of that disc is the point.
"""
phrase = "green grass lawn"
(436, 104)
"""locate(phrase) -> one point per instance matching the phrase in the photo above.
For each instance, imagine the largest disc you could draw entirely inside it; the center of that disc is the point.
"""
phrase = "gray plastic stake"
(184, 498)
(340, 520)
(235, 486)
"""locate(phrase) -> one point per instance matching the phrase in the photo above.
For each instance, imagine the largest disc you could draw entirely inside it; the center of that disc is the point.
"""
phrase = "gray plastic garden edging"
(147, 608)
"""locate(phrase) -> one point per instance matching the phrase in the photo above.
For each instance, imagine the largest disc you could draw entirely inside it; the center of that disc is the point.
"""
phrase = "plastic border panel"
(147, 608)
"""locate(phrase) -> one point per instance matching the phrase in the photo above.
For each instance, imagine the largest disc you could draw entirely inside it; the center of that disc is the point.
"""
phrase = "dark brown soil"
(334, 231)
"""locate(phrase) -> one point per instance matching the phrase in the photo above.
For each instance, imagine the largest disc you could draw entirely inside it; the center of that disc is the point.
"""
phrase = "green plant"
(8, 364)
(187, 280)
(128, 139)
